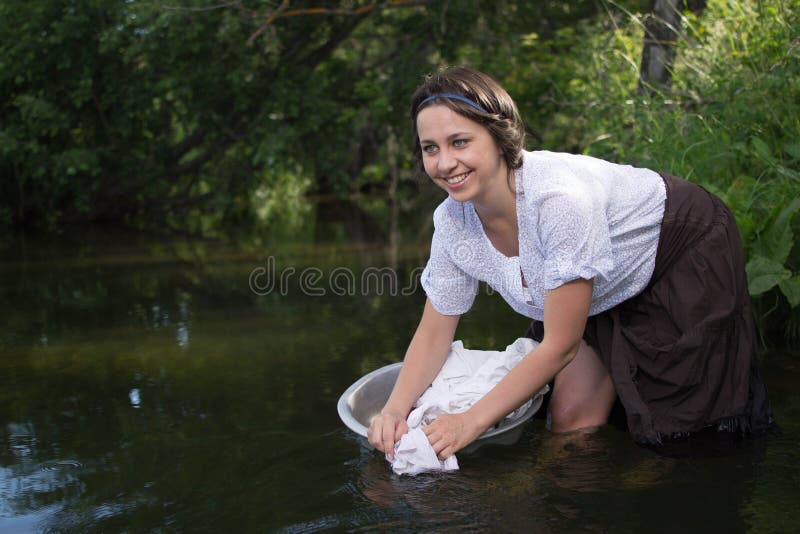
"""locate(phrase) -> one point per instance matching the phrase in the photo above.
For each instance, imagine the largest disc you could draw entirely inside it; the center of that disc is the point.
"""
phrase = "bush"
(730, 122)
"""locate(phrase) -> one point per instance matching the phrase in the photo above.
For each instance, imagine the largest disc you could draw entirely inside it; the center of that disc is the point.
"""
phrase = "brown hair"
(501, 118)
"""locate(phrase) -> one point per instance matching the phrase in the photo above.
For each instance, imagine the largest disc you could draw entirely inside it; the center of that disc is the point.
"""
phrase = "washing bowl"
(363, 400)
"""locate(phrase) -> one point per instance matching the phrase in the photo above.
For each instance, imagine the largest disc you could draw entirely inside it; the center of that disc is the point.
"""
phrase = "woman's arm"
(424, 358)
(566, 309)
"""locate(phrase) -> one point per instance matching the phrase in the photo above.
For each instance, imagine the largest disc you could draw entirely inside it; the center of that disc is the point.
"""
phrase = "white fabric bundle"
(466, 376)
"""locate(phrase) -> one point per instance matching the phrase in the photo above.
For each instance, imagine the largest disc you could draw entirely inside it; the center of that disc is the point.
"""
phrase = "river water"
(173, 384)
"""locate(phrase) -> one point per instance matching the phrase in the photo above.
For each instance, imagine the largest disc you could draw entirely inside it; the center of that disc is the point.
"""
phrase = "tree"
(661, 31)
(133, 110)
(149, 114)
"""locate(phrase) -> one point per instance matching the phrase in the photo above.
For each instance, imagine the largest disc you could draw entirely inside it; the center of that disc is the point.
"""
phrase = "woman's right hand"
(384, 430)
(424, 358)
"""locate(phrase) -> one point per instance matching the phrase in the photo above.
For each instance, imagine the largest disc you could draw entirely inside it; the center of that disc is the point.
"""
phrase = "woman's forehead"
(438, 120)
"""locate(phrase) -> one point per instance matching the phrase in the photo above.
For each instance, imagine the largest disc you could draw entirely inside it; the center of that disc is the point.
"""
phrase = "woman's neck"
(497, 210)
(498, 215)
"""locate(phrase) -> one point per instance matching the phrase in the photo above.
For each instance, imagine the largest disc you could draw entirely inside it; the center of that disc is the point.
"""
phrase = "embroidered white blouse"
(578, 217)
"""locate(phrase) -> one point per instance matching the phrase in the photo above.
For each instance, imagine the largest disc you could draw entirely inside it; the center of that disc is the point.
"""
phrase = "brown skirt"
(682, 353)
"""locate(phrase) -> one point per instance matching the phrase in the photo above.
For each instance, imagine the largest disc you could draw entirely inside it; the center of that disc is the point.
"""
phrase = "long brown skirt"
(682, 353)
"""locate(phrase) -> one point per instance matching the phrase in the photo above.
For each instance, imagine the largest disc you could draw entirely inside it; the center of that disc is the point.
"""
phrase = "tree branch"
(234, 3)
(283, 11)
(187, 143)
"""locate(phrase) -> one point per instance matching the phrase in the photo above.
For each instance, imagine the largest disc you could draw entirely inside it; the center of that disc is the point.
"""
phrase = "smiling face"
(459, 154)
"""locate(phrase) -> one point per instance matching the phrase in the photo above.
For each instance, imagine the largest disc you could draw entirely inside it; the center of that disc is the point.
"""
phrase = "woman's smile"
(457, 180)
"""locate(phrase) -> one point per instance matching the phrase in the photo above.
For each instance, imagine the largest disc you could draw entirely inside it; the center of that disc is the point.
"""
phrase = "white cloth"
(578, 217)
(413, 455)
(466, 376)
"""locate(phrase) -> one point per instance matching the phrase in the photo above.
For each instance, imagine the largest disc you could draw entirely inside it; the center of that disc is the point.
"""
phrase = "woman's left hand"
(450, 433)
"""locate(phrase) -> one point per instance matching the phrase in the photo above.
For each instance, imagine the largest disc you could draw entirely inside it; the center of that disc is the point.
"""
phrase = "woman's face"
(459, 154)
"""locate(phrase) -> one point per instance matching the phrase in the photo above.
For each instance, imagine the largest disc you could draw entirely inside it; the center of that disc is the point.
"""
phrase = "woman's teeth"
(456, 179)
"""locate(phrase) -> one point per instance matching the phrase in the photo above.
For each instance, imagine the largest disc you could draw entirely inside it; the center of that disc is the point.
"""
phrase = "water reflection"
(135, 397)
(158, 317)
(429, 501)
(144, 387)
(487, 492)
(562, 482)
(28, 486)
(21, 440)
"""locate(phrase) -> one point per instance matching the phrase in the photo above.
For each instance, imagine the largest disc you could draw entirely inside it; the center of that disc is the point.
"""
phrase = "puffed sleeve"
(573, 229)
(450, 290)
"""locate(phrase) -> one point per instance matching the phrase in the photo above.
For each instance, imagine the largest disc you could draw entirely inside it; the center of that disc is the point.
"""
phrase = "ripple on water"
(60, 465)
(22, 440)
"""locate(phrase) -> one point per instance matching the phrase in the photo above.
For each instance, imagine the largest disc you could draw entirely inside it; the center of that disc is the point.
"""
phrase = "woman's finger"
(388, 440)
(373, 433)
(400, 429)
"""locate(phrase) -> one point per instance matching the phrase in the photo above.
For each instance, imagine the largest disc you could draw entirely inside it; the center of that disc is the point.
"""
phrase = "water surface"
(145, 386)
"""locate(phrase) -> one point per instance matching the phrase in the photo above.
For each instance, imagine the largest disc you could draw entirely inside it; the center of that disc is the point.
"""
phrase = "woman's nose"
(446, 162)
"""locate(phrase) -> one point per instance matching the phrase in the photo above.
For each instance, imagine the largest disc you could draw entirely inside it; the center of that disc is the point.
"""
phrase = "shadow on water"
(561, 483)
(144, 386)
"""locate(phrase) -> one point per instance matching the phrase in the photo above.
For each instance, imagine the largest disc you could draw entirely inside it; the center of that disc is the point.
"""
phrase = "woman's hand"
(384, 430)
(424, 358)
(450, 433)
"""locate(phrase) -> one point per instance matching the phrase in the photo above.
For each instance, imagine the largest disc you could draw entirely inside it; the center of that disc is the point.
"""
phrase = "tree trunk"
(658, 53)
(661, 31)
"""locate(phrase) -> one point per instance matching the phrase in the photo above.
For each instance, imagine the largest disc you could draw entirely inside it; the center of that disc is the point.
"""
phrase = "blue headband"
(452, 96)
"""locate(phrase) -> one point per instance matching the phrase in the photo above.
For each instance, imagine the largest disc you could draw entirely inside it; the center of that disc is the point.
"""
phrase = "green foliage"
(204, 116)
(150, 115)
(154, 115)
(730, 121)
(770, 252)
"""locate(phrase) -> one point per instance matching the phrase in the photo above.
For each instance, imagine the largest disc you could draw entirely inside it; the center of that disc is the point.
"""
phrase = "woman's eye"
(460, 143)
(429, 149)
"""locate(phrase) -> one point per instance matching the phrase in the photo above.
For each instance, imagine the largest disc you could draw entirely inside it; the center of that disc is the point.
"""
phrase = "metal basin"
(362, 401)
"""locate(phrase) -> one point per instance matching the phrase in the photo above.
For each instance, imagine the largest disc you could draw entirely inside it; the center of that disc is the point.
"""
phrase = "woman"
(634, 281)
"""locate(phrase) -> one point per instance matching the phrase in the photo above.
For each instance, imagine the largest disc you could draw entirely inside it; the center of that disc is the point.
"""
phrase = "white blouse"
(578, 217)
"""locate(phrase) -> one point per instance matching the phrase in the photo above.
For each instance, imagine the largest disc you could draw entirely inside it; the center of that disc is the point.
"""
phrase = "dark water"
(144, 386)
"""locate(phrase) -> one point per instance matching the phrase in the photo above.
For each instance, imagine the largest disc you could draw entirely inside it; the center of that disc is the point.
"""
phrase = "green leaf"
(776, 238)
(762, 149)
(763, 274)
(791, 289)
(788, 173)
(793, 149)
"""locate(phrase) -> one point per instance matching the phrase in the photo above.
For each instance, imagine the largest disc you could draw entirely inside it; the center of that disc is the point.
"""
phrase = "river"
(152, 384)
